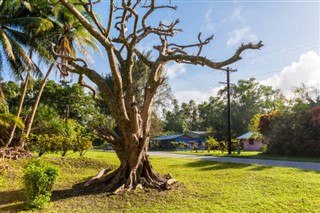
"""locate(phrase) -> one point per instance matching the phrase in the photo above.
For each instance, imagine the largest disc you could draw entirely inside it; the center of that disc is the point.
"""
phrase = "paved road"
(293, 164)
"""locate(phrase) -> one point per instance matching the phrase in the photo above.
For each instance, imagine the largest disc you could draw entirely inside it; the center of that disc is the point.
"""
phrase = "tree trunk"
(35, 106)
(2, 96)
(23, 94)
(135, 171)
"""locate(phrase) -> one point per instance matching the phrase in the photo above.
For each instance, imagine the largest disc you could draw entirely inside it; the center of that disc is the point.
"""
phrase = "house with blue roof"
(164, 142)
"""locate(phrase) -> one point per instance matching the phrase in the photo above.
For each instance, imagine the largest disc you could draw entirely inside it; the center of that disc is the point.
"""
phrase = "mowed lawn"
(206, 187)
(248, 154)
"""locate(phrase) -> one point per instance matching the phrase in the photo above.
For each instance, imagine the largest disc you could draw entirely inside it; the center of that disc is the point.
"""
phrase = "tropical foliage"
(295, 130)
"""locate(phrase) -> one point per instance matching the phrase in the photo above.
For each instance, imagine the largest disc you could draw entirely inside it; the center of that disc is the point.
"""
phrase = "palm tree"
(14, 43)
(6, 119)
(67, 36)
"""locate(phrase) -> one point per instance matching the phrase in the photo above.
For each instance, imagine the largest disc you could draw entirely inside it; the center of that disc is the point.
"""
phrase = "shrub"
(38, 180)
(211, 143)
(223, 146)
(234, 145)
(175, 144)
(264, 148)
(295, 133)
(193, 145)
(182, 145)
(82, 145)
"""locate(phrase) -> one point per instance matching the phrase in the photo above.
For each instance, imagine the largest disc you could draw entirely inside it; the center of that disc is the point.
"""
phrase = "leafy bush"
(211, 143)
(182, 145)
(194, 145)
(175, 144)
(38, 180)
(39, 143)
(223, 146)
(58, 143)
(82, 145)
(294, 133)
(234, 145)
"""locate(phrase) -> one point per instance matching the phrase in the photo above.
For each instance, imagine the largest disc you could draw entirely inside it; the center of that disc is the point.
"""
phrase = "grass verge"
(249, 154)
(207, 187)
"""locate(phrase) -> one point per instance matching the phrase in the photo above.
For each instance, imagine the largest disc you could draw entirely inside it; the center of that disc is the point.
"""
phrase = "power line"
(204, 79)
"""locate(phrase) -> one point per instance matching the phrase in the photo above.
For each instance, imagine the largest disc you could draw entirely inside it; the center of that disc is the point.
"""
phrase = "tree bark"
(23, 94)
(35, 106)
(135, 169)
(133, 119)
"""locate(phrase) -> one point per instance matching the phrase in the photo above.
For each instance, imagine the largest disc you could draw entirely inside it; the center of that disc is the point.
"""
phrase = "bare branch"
(152, 8)
(100, 37)
(109, 131)
(161, 30)
(94, 93)
(66, 57)
(110, 18)
(203, 61)
(179, 48)
(88, 7)
(143, 58)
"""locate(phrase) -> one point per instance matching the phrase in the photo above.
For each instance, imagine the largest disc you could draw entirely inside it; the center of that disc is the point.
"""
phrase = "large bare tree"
(129, 29)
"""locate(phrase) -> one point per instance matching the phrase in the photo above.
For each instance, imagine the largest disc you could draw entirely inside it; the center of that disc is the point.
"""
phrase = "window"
(251, 141)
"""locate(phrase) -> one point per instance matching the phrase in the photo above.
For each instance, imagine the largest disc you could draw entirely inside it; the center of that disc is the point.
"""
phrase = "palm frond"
(6, 45)
(23, 23)
(7, 120)
(25, 59)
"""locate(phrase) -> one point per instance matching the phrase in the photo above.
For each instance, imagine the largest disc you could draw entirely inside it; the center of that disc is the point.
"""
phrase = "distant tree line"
(248, 99)
(290, 126)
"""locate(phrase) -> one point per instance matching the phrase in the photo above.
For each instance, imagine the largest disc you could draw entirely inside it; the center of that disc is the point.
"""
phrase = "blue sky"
(290, 31)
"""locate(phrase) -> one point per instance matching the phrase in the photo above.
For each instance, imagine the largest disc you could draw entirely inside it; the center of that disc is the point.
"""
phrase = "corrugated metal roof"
(249, 135)
(167, 137)
(197, 134)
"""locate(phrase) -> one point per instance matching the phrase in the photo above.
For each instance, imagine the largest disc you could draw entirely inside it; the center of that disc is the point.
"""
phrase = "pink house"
(251, 141)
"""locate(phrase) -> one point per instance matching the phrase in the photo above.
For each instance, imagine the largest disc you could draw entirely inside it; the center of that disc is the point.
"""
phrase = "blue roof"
(167, 137)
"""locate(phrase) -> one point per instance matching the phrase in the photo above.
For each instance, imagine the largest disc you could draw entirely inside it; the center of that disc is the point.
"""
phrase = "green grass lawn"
(249, 154)
(206, 187)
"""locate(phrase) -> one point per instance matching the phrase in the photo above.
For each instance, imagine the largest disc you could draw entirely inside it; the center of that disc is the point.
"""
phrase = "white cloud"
(196, 95)
(175, 69)
(208, 20)
(306, 71)
(237, 15)
(241, 35)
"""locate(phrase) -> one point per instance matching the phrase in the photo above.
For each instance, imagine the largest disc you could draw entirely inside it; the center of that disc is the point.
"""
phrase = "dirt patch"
(15, 153)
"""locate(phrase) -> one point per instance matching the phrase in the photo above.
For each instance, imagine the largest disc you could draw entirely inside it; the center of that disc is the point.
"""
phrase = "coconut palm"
(6, 119)
(15, 43)
(68, 35)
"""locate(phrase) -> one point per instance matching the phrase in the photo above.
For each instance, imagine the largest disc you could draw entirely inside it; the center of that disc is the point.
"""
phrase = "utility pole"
(228, 70)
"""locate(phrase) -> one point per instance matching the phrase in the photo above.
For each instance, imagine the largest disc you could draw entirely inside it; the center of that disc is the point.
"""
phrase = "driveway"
(292, 164)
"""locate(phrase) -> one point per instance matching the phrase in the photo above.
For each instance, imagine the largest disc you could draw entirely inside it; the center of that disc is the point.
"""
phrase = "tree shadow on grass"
(12, 201)
(77, 190)
(204, 165)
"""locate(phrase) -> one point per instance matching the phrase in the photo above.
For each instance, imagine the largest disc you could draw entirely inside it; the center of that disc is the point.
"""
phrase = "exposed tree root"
(118, 183)
(15, 153)
(97, 177)
(132, 175)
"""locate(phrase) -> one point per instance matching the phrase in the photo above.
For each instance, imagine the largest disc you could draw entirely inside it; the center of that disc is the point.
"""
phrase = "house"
(198, 135)
(252, 141)
(164, 142)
